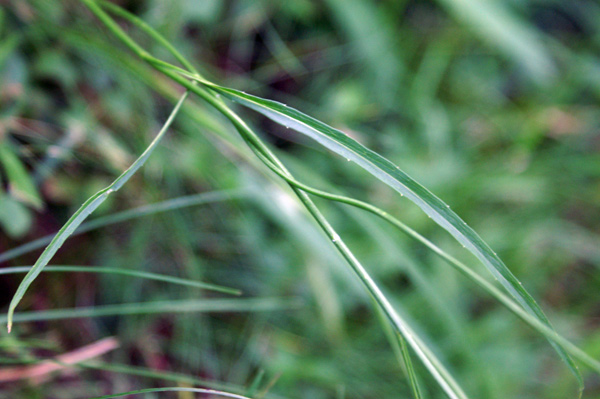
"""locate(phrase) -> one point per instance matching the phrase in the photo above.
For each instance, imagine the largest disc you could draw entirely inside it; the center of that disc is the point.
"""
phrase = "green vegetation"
(491, 106)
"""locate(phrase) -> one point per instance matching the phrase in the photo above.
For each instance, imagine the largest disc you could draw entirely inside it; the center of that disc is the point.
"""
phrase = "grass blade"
(444, 379)
(180, 306)
(398, 344)
(175, 389)
(509, 303)
(134, 213)
(84, 211)
(399, 324)
(126, 272)
(394, 177)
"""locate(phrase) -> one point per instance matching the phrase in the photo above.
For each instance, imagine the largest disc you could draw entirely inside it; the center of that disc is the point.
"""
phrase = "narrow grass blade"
(134, 213)
(181, 306)
(163, 375)
(399, 324)
(391, 174)
(400, 349)
(84, 211)
(436, 369)
(125, 272)
(141, 24)
(174, 389)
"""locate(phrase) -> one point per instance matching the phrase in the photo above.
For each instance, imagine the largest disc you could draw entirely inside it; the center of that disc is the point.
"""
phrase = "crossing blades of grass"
(394, 177)
(463, 269)
(211, 392)
(369, 160)
(400, 349)
(125, 272)
(119, 217)
(84, 211)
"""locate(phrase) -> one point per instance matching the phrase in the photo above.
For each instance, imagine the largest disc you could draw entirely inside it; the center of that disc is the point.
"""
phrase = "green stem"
(210, 392)
(435, 368)
(84, 211)
(125, 272)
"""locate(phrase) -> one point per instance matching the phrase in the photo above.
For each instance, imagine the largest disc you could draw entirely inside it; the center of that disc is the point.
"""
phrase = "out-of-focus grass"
(503, 129)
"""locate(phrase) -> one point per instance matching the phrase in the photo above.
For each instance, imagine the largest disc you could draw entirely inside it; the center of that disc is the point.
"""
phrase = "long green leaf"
(129, 214)
(175, 389)
(125, 272)
(429, 360)
(84, 211)
(394, 177)
(509, 303)
(435, 367)
(180, 306)
(398, 344)
(302, 229)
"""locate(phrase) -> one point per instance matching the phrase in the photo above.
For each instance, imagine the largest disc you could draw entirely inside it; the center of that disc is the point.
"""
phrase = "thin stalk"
(175, 389)
(85, 210)
(129, 214)
(402, 354)
(125, 272)
(442, 376)
(504, 299)
(221, 305)
(141, 24)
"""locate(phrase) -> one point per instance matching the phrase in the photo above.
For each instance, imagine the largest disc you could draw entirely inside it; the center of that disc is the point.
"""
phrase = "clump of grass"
(522, 303)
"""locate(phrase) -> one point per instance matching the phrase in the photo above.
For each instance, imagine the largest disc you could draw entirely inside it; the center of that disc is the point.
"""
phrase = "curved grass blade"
(174, 389)
(179, 306)
(84, 211)
(160, 375)
(125, 272)
(436, 369)
(463, 269)
(393, 176)
(129, 214)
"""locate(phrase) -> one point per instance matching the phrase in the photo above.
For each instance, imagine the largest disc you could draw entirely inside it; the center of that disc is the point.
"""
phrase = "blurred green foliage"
(491, 105)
